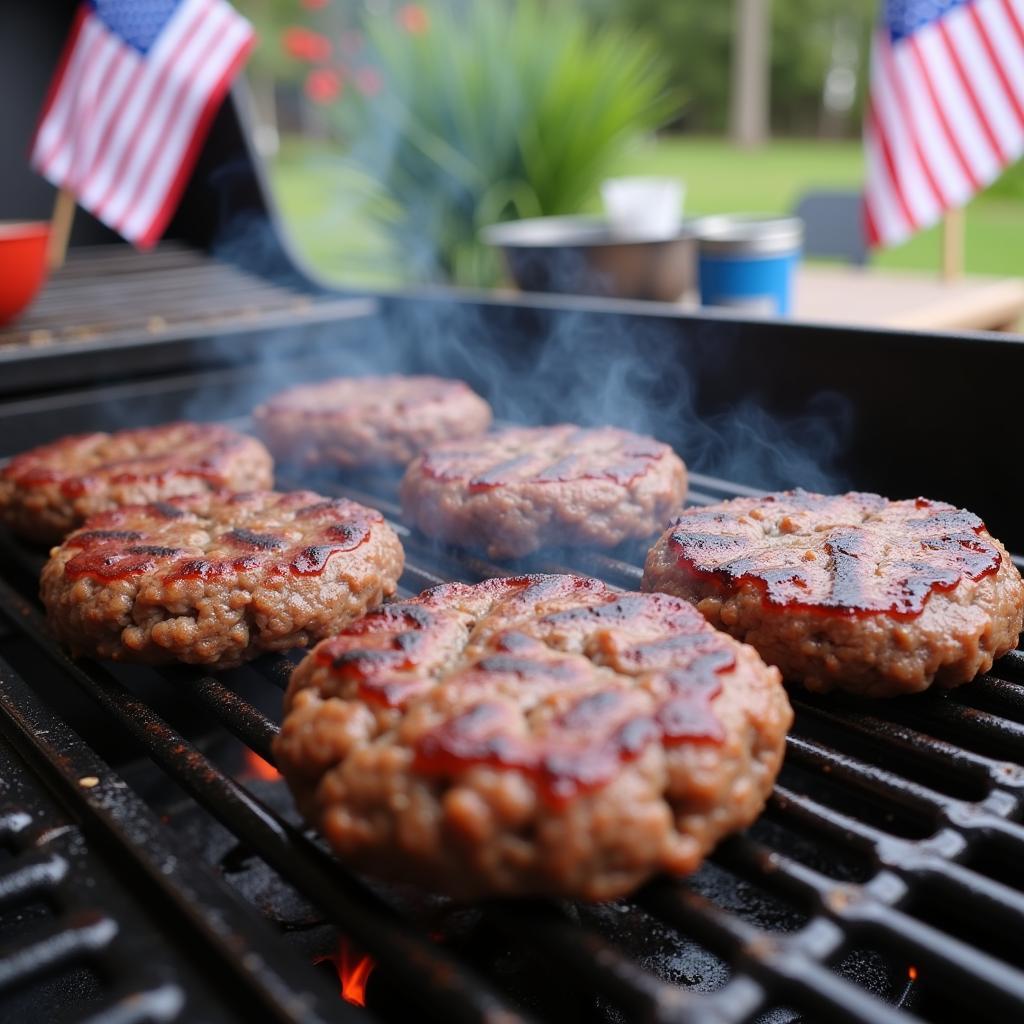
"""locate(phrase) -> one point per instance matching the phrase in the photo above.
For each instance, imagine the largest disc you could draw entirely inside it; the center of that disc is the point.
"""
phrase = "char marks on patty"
(548, 708)
(368, 421)
(521, 489)
(849, 591)
(227, 577)
(46, 492)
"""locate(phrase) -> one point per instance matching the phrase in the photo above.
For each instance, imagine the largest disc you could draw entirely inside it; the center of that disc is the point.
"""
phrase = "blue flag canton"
(904, 17)
(137, 22)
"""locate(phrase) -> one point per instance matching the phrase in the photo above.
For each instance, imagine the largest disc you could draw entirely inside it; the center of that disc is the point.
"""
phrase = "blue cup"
(747, 262)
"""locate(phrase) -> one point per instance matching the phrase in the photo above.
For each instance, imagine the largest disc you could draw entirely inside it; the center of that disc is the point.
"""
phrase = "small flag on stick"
(131, 101)
(945, 113)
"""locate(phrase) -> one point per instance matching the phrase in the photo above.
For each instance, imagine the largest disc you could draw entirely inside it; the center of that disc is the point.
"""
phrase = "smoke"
(686, 381)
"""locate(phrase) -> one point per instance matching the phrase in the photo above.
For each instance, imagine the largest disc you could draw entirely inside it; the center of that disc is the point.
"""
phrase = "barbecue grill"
(151, 865)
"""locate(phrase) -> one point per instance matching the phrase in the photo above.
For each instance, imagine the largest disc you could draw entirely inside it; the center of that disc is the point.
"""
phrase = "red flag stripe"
(940, 116)
(911, 126)
(983, 121)
(116, 66)
(68, 155)
(1007, 43)
(997, 65)
(63, 61)
(891, 219)
(870, 224)
(885, 148)
(215, 53)
(1010, 8)
(60, 122)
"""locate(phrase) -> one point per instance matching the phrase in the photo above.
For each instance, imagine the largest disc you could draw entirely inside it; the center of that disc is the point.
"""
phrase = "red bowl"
(22, 264)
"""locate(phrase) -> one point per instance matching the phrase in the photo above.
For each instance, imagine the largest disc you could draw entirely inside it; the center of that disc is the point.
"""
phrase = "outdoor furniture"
(833, 225)
(907, 299)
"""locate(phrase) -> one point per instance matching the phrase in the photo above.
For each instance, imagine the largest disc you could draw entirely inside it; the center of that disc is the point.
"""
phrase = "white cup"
(643, 208)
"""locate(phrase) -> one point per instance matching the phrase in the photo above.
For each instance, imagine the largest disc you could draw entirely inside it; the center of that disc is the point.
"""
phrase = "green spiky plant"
(496, 109)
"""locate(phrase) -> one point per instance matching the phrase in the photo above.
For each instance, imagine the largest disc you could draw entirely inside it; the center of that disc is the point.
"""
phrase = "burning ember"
(354, 970)
(912, 972)
(256, 768)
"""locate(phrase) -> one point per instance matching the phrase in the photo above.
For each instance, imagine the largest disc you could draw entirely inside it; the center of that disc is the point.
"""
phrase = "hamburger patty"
(217, 579)
(525, 488)
(851, 592)
(539, 735)
(368, 421)
(48, 491)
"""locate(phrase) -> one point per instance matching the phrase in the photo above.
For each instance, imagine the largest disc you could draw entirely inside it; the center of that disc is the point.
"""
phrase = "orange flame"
(912, 972)
(257, 768)
(354, 970)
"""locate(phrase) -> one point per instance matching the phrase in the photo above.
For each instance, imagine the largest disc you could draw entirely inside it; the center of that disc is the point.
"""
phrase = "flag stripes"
(122, 127)
(945, 114)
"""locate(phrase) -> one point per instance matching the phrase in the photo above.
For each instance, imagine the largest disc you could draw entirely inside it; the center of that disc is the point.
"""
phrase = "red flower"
(323, 85)
(304, 44)
(413, 18)
(368, 81)
(315, 5)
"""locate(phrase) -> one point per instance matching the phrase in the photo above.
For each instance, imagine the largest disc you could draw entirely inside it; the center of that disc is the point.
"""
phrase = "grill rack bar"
(350, 905)
(771, 968)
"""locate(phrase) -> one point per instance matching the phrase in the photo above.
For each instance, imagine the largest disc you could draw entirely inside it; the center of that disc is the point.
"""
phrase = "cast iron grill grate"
(883, 877)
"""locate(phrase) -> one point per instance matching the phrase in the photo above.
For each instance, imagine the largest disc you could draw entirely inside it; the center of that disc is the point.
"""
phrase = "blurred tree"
(696, 40)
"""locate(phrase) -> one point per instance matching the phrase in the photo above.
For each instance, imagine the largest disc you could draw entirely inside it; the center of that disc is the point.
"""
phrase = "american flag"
(131, 101)
(946, 109)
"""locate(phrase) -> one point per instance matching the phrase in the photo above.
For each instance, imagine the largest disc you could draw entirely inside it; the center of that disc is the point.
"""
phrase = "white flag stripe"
(58, 119)
(1006, 44)
(911, 179)
(941, 159)
(945, 79)
(986, 85)
(180, 131)
(135, 107)
(153, 129)
(70, 152)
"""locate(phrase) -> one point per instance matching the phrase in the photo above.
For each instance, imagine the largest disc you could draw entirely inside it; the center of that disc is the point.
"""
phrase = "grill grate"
(112, 294)
(895, 833)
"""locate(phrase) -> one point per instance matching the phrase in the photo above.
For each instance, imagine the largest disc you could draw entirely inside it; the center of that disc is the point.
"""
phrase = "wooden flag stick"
(953, 244)
(60, 228)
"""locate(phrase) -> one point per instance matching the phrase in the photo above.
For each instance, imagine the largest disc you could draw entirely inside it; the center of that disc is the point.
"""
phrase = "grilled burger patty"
(368, 421)
(217, 579)
(537, 735)
(851, 592)
(48, 491)
(525, 488)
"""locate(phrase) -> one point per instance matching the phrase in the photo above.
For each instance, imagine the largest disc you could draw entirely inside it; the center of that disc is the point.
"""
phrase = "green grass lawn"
(322, 201)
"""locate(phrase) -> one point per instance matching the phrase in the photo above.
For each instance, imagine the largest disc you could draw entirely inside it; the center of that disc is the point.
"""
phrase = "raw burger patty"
(48, 491)
(215, 580)
(368, 421)
(526, 488)
(851, 592)
(538, 735)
